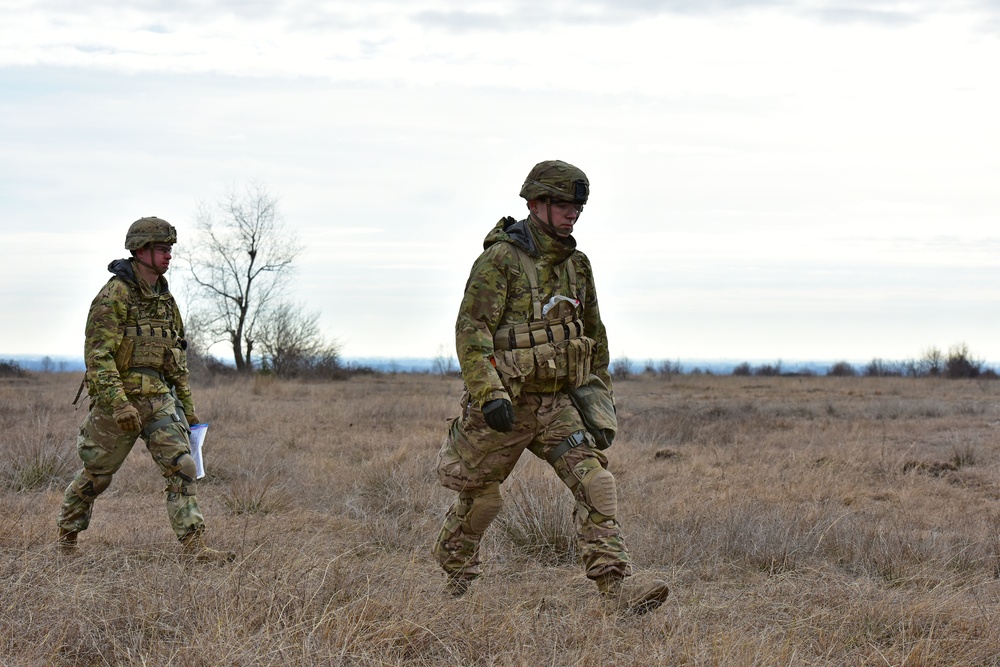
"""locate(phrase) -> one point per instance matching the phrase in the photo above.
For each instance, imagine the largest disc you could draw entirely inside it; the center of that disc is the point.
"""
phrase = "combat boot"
(634, 596)
(67, 542)
(195, 549)
(458, 586)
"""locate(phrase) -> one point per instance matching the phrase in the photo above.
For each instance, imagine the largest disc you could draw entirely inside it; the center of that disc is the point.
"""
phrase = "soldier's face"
(564, 216)
(157, 256)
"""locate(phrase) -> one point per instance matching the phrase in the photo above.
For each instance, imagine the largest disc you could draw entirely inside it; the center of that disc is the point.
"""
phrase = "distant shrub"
(768, 370)
(205, 368)
(882, 368)
(10, 368)
(670, 368)
(960, 364)
(764, 370)
(360, 369)
(842, 369)
(621, 368)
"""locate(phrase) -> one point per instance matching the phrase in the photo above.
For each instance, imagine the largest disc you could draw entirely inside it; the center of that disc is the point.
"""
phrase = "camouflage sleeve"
(176, 369)
(103, 337)
(593, 326)
(478, 318)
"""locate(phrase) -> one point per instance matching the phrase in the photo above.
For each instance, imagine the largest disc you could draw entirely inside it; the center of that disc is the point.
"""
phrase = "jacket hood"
(526, 235)
(123, 268)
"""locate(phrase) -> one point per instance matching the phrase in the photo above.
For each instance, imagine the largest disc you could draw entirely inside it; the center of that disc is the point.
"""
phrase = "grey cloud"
(846, 16)
(95, 48)
(461, 17)
(526, 15)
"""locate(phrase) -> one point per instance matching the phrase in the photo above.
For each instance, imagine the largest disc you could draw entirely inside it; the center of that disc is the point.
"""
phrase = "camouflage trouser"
(475, 460)
(103, 448)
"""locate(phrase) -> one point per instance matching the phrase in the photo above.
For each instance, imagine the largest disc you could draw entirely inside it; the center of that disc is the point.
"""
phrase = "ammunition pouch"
(538, 332)
(146, 347)
(544, 352)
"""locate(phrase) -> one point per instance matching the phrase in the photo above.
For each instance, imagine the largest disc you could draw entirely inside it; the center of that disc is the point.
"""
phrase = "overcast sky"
(771, 180)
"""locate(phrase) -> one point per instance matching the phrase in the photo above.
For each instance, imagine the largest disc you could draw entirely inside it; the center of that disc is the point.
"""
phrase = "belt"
(152, 372)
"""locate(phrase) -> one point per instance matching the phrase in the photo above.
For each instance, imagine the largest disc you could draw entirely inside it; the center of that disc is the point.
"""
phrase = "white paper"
(197, 442)
(555, 300)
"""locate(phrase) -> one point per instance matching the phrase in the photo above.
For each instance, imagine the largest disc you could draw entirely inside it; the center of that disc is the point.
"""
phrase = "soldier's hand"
(499, 414)
(191, 418)
(127, 418)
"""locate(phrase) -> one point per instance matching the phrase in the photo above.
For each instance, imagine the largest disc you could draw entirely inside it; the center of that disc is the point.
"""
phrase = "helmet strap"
(152, 269)
(149, 266)
(546, 225)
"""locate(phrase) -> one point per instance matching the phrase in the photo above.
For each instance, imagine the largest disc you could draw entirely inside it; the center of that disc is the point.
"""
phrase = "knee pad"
(484, 507)
(600, 491)
(183, 467)
(94, 486)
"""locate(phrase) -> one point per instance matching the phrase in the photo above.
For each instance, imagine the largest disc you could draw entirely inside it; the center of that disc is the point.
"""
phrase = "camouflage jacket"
(498, 293)
(126, 301)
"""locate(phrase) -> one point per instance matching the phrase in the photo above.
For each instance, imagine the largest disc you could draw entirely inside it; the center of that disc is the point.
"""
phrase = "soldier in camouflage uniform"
(137, 381)
(528, 329)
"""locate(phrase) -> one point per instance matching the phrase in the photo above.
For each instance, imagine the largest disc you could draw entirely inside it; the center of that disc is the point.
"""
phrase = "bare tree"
(239, 262)
(444, 364)
(932, 362)
(291, 343)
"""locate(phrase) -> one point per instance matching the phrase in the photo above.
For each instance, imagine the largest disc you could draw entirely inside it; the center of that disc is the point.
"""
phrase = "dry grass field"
(800, 521)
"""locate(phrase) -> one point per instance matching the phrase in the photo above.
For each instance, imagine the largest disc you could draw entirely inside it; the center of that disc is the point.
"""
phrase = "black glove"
(499, 414)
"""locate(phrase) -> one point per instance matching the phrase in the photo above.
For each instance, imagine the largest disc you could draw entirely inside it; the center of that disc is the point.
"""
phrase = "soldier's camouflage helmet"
(558, 181)
(149, 230)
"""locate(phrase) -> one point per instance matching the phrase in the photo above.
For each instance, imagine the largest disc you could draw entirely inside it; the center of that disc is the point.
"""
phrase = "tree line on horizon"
(958, 363)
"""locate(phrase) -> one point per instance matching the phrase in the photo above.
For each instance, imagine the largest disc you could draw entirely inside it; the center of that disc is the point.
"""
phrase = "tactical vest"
(149, 340)
(548, 352)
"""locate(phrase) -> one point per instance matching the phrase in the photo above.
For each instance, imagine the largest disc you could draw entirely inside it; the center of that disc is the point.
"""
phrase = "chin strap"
(548, 227)
(147, 265)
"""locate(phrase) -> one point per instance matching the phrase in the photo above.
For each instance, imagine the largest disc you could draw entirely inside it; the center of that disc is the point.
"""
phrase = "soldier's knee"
(184, 468)
(598, 487)
(90, 485)
(480, 508)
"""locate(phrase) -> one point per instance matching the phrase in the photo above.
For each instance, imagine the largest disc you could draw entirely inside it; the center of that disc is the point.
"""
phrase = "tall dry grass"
(800, 521)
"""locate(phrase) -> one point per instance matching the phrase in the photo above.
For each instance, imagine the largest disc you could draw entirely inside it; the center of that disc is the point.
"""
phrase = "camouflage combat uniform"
(475, 459)
(134, 352)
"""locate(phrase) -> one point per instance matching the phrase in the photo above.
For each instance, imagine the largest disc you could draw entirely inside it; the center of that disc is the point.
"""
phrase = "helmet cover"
(149, 230)
(556, 180)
